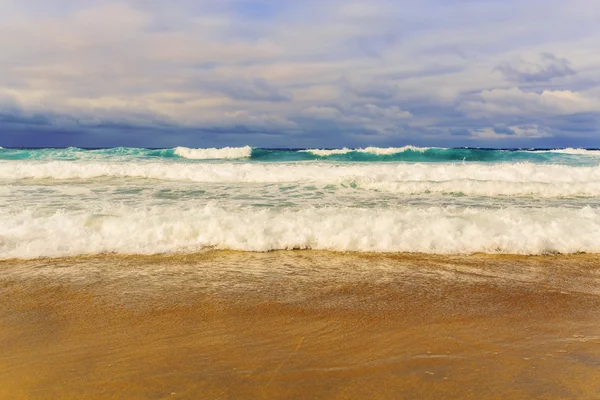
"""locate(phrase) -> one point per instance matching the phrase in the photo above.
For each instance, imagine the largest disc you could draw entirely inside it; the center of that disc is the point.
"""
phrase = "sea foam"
(442, 230)
(60, 202)
(470, 179)
(370, 150)
(213, 153)
(573, 151)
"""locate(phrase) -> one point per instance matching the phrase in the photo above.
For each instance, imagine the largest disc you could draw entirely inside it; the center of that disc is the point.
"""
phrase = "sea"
(59, 202)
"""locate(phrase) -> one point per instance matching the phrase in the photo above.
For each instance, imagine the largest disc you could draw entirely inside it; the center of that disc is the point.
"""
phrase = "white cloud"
(515, 101)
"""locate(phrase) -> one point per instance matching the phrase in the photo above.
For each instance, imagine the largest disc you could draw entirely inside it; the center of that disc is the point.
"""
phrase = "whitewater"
(71, 201)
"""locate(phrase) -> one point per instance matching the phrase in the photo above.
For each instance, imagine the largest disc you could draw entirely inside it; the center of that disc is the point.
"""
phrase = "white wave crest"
(213, 153)
(367, 174)
(370, 150)
(442, 230)
(573, 151)
(392, 150)
(326, 153)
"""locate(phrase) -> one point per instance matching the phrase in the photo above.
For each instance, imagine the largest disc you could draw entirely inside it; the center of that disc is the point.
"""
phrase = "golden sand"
(300, 325)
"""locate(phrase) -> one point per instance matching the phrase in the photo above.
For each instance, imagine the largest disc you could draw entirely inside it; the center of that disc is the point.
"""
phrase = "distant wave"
(213, 153)
(573, 151)
(345, 155)
(370, 150)
(78, 154)
(325, 153)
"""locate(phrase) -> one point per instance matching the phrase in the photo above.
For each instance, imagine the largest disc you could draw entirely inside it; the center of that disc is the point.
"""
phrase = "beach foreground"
(300, 325)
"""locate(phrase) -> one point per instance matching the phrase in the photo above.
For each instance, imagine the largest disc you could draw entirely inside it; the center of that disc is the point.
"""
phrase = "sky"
(301, 73)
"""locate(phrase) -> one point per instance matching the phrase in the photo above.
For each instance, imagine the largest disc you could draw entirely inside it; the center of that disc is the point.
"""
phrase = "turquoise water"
(62, 202)
(403, 154)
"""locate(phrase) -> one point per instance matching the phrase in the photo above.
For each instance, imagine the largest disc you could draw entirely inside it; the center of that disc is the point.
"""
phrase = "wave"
(78, 154)
(125, 153)
(370, 150)
(441, 230)
(469, 179)
(469, 187)
(573, 151)
(325, 152)
(214, 153)
(368, 154)
(299, 172)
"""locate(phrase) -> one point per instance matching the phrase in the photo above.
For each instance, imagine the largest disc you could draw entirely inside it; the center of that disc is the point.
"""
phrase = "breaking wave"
(71, 201)
(572, 151)
(442, 230)
(211, 154)
(370, 150)
(471, 179)
(367, 154)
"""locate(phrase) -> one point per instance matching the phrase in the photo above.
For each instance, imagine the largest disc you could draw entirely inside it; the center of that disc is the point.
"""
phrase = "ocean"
(425, 273)
(71, 202)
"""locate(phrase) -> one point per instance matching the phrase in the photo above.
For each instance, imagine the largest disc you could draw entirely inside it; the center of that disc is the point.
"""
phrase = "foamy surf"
(368, 154)
(214, 153)
(60, 202)
(441, 230)
(326, 152)
(468, 179)
(573, 151)
(370, 150)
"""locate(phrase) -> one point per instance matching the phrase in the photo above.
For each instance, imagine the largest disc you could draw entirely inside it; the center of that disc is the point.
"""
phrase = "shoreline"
(402, 254)
(301, 324)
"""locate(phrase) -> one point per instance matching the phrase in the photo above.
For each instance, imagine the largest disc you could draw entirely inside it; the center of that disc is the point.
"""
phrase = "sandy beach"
(300, 325)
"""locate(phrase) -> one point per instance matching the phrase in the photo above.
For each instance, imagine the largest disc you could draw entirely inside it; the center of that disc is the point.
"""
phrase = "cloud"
(330, 73)
(515, 102)
(391, 112)
(257, 89)
(380, 89)
(265, 121)
(18, 119)
(369, 116)
(511, 132)
(546, 68)
(323, 112)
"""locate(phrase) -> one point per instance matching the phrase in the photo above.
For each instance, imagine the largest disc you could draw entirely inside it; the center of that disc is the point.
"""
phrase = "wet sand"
(300, 325)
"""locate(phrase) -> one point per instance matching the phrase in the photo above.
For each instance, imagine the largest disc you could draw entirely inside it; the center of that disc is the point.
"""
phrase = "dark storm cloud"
(16, 119)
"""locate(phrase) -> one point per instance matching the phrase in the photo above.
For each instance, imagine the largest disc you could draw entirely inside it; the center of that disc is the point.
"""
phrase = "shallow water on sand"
(300, 325)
